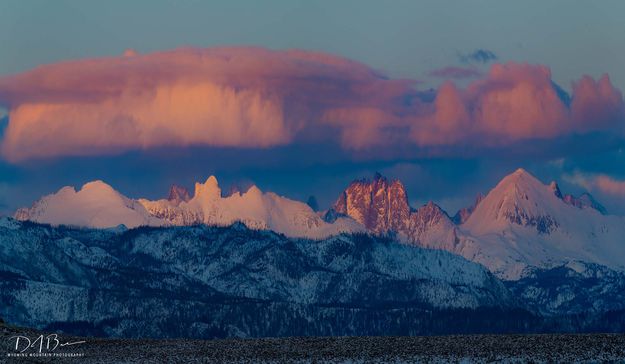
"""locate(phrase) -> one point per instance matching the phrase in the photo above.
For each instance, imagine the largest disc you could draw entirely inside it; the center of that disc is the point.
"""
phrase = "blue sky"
(401, 39)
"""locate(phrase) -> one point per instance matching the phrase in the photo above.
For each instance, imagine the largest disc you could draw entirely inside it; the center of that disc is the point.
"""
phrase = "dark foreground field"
(463, 348)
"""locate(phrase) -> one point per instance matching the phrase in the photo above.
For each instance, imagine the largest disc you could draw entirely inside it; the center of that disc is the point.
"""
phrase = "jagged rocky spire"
(178, 194)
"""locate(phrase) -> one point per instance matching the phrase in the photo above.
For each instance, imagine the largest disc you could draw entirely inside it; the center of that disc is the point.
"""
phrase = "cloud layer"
(600, 182)
(259, 98)
(517, 102)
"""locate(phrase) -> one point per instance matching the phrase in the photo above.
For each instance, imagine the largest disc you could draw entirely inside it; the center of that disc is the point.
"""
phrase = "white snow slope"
(96, 205)
(521, 223)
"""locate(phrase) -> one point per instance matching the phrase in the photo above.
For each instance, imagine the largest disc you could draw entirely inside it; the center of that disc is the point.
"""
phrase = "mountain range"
(522, 224)
(524, 257)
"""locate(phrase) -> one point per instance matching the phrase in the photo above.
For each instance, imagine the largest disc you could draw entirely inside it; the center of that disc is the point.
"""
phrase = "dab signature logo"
(42, 345)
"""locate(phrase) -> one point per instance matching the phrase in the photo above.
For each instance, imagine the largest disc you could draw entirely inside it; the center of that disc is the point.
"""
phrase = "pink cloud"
(259, 98)
(596, 104)
(516, 102)
(609, 185)
(239, 97)
(447, 123)
(362, 127)
(600, 182)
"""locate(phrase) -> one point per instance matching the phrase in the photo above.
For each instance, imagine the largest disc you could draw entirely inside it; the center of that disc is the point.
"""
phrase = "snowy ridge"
(572, 288)
(132, 280)
(523, 223)
(254, 208)
(98, 205)
(519, 199)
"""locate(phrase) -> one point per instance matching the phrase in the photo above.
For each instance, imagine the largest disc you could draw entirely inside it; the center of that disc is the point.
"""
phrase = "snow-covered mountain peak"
(100, 193)
(431, 215)
(96, 204)
(519, 178)
(96, 192)
(523, 223)
(519, 172)
(253, 191)
(519, 186)
(97, 186)
(515, 185)
(518, 199)
(207, 190)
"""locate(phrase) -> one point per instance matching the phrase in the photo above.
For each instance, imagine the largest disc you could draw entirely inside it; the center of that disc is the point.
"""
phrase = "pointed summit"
(431, 212)
(521, 170)
(381, 206)
(520, 180)
(518, 199)
(208, 189)
(521, 175)
(431, 227)
(178, 194)
(556, 189)
(253, 191)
